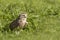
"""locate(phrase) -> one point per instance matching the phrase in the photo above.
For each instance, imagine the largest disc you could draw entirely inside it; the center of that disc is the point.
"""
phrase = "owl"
(20, 21)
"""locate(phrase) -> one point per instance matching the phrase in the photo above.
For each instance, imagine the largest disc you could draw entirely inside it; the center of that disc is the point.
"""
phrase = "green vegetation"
(43, 18)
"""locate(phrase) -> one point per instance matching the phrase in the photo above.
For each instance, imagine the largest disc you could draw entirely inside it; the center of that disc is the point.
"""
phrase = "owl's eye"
(24, 16)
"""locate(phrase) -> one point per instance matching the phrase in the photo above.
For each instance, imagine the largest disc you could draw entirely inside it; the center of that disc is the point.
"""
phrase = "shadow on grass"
(7, 29)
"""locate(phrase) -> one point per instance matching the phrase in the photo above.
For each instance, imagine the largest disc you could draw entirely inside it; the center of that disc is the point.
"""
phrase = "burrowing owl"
(21, 21)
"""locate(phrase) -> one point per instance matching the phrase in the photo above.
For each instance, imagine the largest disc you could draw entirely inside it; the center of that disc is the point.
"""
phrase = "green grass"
(43, 18)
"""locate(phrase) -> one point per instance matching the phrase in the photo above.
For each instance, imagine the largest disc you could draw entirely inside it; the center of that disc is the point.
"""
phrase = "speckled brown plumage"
(21, 21)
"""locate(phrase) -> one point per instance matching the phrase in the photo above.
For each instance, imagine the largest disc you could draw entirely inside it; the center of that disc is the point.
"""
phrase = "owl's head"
(23, 15)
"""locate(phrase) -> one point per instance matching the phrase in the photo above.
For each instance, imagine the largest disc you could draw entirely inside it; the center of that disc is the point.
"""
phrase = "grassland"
(43, 18)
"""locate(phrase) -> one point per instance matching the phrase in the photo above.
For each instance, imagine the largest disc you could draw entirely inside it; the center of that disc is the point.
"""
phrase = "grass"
(43, 18)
